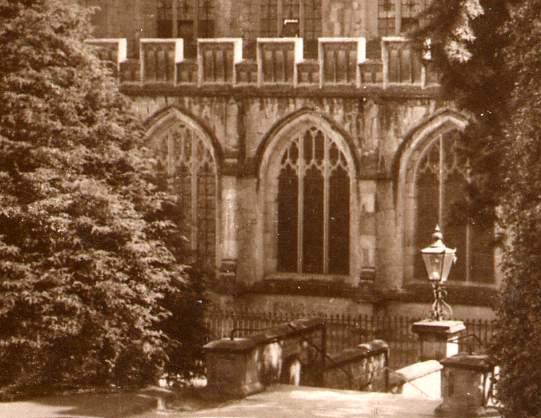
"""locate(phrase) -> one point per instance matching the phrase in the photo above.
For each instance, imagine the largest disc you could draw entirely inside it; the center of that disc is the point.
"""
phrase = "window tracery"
(442, 174)
(290, 18)
(188, 162)
(313, 206)
(186, 19)
(398, 16)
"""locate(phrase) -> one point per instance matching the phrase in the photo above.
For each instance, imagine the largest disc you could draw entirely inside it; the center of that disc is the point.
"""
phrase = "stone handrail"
(240, 366)
(418, 379)
(364, 367)
(341, 63)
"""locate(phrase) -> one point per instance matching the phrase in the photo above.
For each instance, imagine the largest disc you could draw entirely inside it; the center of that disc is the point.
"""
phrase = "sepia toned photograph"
(270, 208)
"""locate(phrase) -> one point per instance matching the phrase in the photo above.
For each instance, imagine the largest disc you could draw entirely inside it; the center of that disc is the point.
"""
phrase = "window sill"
(312, 285)
(458, 294)
(304, 277)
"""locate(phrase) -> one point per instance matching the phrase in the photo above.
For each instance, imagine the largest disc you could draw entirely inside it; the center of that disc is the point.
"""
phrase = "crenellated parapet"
(279, 62)
(113, 50)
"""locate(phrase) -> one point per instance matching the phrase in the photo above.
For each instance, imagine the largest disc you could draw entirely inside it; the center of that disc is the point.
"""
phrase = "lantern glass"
(448, 260)
(434, 264)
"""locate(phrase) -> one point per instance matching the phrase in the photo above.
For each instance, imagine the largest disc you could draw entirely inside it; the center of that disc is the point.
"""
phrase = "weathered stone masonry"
(247, 106)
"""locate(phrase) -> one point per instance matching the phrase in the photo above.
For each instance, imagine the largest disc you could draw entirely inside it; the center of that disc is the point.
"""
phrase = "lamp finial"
(437, 235)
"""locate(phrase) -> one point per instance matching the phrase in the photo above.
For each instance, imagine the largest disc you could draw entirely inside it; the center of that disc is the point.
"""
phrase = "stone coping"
(457, 294)
(477, 362)
(280, 332)
(428, 326)
(414, 371)
(362, 351)
(394, 92)
(312, 287)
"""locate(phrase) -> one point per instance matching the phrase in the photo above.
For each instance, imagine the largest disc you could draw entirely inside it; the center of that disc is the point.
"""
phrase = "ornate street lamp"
(438, 260)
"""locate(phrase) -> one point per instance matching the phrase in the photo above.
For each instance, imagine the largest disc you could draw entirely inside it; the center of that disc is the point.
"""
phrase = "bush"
(91, 274)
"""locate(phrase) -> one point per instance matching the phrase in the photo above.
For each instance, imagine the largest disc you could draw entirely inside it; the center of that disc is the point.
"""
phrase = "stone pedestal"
(465, 386)
(232, 368)
(437, 339)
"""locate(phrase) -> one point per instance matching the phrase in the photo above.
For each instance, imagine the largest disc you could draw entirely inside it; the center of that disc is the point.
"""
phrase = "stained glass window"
(410, 13)
(291, 18)
(186, 19)
(206, 19)
(269, 18)
(441, 178)
(386, 17)
(313, 206)
(407, 10)
(188, 162)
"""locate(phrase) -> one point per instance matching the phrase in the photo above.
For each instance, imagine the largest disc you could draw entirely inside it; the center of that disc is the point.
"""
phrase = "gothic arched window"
(290, 18)
(399, 16)
(313, 206)
(188, 162)
(186, 19)
(440, 179)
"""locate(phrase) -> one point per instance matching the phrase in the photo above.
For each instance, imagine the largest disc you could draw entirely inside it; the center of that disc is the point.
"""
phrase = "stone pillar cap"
(477, 362)
(428, 326)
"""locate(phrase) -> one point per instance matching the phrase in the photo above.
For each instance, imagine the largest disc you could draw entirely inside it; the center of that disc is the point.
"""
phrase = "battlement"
(341, 62)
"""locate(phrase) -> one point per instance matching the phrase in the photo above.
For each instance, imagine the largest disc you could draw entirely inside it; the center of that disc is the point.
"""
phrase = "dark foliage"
(489, 53)
(90, 259)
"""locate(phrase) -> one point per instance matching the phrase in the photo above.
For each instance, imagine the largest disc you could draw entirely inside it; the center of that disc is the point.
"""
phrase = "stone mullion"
(468, 229)
(196, 20)
(301, 19)
(300, 206)
(174, 19)
(468, 250)
(326, 181)
(441, 179)
(194, 197)
(398, 16)
(169, 161)
(280, 17)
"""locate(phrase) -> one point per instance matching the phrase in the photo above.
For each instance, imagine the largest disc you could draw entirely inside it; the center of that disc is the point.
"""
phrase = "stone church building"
(309, 146)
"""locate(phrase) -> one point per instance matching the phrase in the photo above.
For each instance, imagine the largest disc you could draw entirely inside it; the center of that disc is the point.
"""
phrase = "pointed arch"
(300, 117)
(441, 120)
(430, 174)
(165, 118)
(307, 172)
(189, 165)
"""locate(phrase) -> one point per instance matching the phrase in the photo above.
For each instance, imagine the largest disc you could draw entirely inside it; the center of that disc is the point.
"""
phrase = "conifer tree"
(489, 53)
(88, 248)
(468, 51)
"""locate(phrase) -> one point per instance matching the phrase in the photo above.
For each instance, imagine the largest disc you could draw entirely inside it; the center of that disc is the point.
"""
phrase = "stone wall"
(242, 128)
(377, 114)
(421, 380)
(238, 18)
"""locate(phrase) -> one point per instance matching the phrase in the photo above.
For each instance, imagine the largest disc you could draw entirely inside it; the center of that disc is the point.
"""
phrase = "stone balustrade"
(364, 367)
(341, 63)
(422, 379)
(404, 63)
(159, 59)
(277, 60)
(241, 366)
(340, 60)
(217, 59)
(112, 50)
